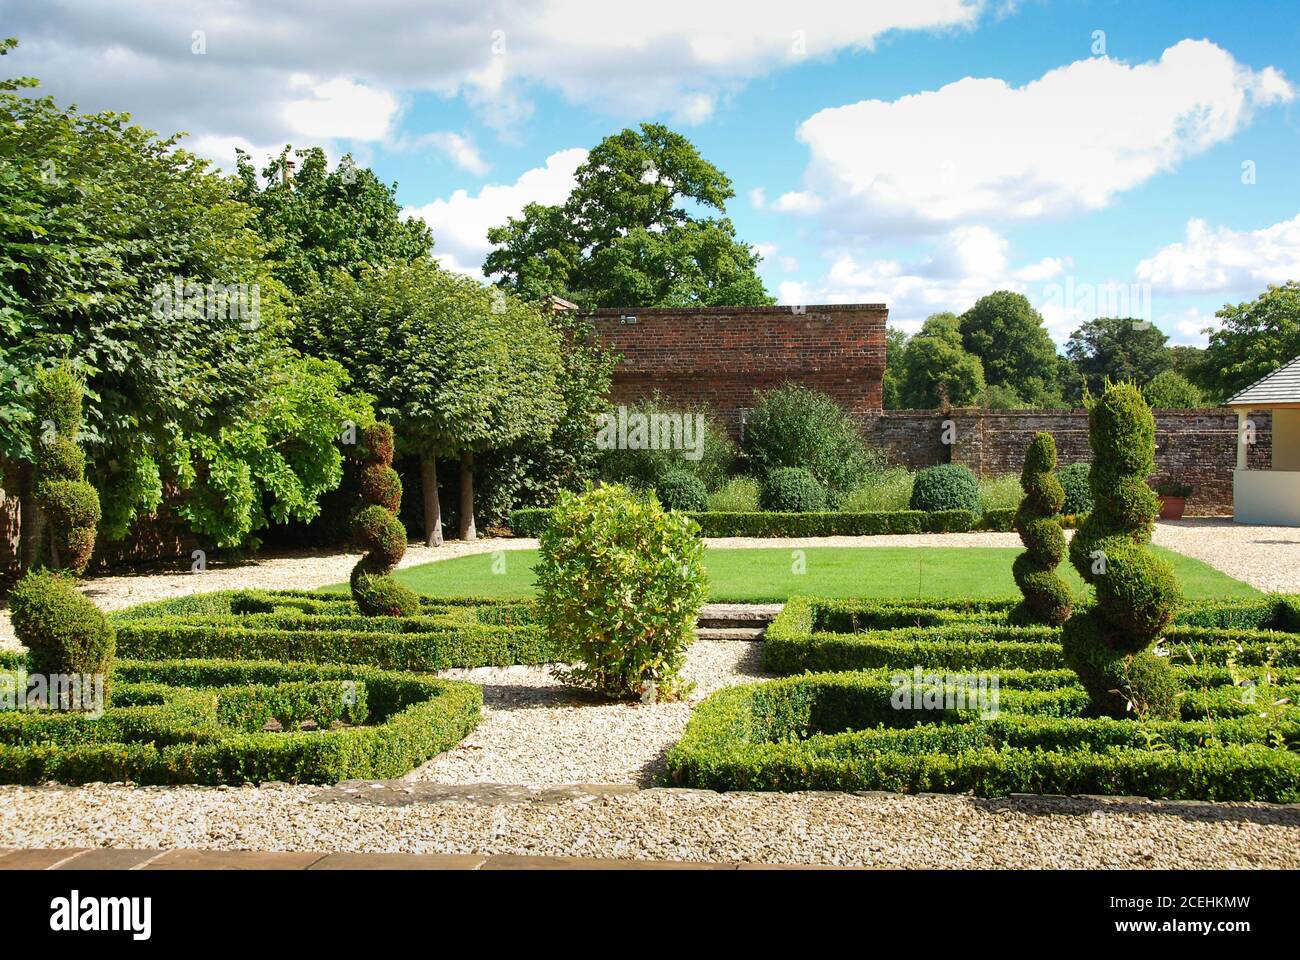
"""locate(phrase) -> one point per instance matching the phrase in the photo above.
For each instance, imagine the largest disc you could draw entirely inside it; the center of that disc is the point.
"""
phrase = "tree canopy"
(936, 369)
(1121, 349)
(624, 236)
(1253, 339)
(1008, 335)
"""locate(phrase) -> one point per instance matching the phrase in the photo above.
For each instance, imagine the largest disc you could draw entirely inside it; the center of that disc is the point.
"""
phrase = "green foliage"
(70, 504)
(937, 370)
(1047, 596)
(1078, 488)
(63, 632)
(679, 490)
(737, 495)
(946, 486)
(380, 534)
(889, 489)
(792, 426)
(530, 522)
(321, 220)
(191, 721)
(1008, 335)
(643, 468)
(620, 582)
(1116, 349)
(624, 236)
(895, 356)
(1251, 340)
(1137, 592)
(1002, 492)
(1169, 390)
(792, 490)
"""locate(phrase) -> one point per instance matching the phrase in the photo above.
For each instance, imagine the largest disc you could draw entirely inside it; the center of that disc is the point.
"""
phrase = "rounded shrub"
(1047, 596)
(679, 490)
(793, 426)
(620, 583)
(378, 531)
(64, 632)
(792, 490)
(1107, 644)
(1078, 494)
(947, 486)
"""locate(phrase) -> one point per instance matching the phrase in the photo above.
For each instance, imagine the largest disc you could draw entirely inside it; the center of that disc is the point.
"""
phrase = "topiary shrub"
(793, 426)
(792, 490)
(679, 490)
(1047, 596)
(620, 583)
(1107, 644)
(1078, 492)
(947, 486)
(64, 632)
(378, 531)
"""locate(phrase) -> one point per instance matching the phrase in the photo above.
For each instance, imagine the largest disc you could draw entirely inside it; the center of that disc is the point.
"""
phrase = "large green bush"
(379, 532)
(679, 490)
(644, 466)
(1078, 490)
(65, 634)
(620, 581)
(947, 486)
(792, 490)
(889, 489)
(1108, 644)
(1047, 596)
(793, 426)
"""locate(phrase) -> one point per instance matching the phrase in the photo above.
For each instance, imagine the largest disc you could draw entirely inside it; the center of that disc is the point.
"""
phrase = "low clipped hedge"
(322, 628)
(803, 733)
(842, 731)
(197, 721)
(530, 521)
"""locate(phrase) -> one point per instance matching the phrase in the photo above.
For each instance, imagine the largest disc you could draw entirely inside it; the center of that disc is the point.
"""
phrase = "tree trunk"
(432, 506)
(467, 531)
(31, 522)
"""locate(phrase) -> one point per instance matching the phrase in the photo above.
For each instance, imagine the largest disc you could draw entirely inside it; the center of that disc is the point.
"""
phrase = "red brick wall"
(721, 355)
(1195, 446)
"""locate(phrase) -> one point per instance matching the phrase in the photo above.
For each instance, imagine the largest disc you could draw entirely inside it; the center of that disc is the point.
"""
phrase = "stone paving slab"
(232, 860)
(110, 858)
(399, 861)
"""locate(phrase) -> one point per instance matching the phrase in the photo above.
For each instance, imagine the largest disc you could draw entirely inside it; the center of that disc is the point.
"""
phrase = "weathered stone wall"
(721, 355)
(1198, 447)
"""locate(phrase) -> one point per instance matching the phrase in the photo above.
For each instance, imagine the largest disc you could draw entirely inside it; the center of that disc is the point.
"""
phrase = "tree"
(937, 369)
(121, 253)
(1170, 390)
(457, 368)
(319, 220)
(1253, 340)
(895, 358)
(624, 236)
(1007, 334)
(1121, 349)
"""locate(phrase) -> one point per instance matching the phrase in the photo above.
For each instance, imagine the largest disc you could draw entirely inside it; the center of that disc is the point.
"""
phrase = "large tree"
(1008, 335)
(624, 237)
(936, 368)
(456, 367)
(125, 256)
(319, 220)
(1119, 349)
(1253, 340)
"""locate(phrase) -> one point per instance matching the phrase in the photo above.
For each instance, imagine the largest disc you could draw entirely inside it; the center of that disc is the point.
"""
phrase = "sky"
(1103, 158)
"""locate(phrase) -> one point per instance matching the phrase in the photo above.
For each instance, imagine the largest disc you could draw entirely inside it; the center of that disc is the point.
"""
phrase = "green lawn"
(769, 574)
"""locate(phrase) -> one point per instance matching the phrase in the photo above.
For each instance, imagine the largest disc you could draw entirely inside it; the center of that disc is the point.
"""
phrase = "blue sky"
(1094, 155)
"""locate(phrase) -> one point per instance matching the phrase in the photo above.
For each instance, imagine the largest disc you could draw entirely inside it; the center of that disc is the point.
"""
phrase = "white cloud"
(459, 149)
(460, 222)
(798, 202)
(1223, 260)
(1187, 327)
(770, 253)
(339, 109)
(758, 198)
(682, 56)
(982, 150)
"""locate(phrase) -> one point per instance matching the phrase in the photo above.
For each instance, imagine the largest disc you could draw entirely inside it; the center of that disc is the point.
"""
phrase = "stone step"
(730, 633)
(732, 616)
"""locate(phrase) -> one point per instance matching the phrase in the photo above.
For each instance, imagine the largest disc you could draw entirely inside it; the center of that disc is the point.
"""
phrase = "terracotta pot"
(1171, 508)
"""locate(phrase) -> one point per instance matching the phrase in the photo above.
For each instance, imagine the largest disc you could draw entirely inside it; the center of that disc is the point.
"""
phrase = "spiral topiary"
(1047, 596)
(1107, 644)
(65, 634)
(379, 532)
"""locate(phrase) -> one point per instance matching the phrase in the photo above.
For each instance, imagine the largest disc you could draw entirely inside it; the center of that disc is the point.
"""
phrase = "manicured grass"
(773, 575)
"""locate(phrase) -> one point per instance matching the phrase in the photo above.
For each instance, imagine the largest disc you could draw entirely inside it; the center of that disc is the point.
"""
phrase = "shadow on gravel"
(1193, 810)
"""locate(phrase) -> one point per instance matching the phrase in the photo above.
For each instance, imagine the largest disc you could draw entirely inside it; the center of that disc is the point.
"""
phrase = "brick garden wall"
(1196, 446)
(721, 355)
